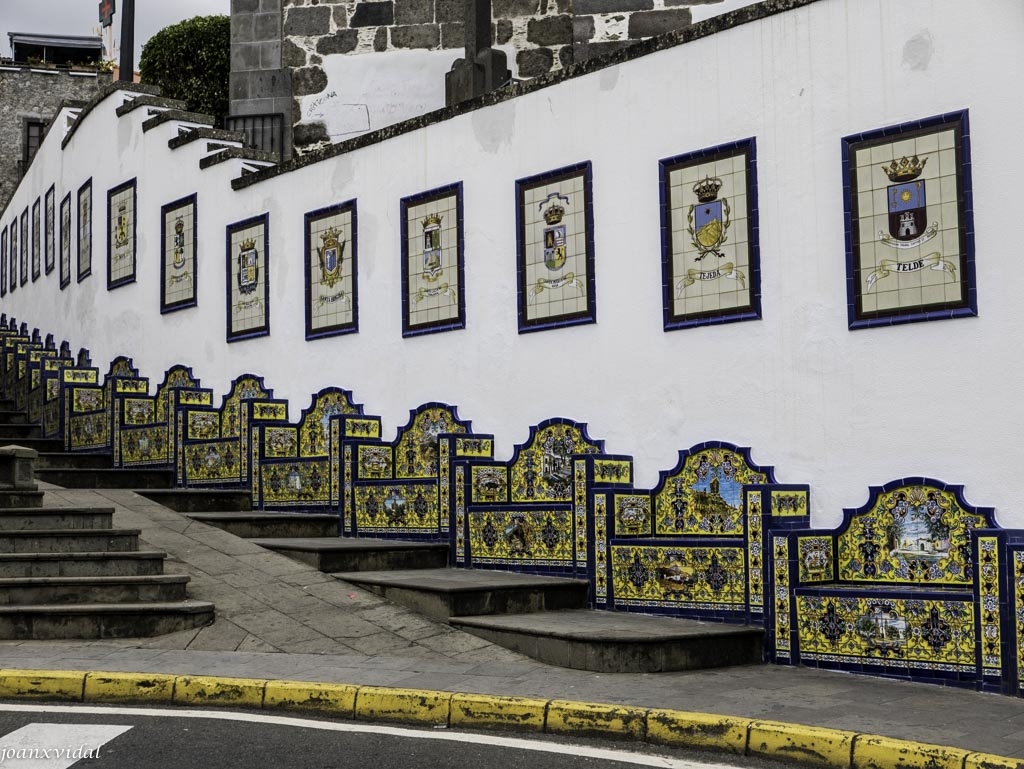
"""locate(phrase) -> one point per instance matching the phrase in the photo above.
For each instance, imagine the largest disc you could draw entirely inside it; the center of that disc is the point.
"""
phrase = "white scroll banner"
(933, 261)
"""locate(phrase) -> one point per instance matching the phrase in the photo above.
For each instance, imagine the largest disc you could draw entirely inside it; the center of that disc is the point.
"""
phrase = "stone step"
(619, 642)
(69, 540)
(162, 588)
(7, 404)
(107, 478)
(271, 525)
(52, 460)
(17, 432)
(82, 564)
(19, 498)
(12, 416)
(445, 593)
(35, 518)
(200, 500)
(331, 554)
(39, 445)
(96, 620)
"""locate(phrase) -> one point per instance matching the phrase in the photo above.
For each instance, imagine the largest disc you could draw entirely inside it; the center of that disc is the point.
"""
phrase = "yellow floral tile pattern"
(409, 508)
(685, 577)
(416, 454)
(543, 470)
(520, 537)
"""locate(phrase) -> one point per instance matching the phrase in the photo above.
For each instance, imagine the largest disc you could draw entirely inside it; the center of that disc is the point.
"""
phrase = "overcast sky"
(81, 17)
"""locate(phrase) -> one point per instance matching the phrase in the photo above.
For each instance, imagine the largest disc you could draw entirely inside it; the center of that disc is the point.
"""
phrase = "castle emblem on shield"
(331, 255)
(554, 233)
(121, 230)
(179, 244)
(248, 268)
(908, 224)
(708, 218)
(432, 269)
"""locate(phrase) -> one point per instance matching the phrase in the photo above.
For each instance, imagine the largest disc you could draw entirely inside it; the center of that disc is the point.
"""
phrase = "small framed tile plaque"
(85, 231)
(37, 240)
(909, 223)
(65, 242)
(711, 271)
(13, 229)
(555, 249)
(433, 296)
(3, 262)
(121, 235)
(23, 242)
(49, 239)
(178, 256)
(248, 292)
(332, 305)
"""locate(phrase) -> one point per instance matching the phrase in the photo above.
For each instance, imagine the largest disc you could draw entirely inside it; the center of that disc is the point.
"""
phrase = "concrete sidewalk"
(279, 619)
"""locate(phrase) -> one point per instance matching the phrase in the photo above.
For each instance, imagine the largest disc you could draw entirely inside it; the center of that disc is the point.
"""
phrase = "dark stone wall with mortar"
(34, 94)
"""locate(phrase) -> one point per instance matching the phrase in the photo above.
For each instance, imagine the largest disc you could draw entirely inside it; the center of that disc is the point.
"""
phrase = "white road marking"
(55, 746)
(517, 743)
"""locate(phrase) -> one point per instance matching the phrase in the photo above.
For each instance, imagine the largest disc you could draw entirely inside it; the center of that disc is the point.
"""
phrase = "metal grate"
(262, 132)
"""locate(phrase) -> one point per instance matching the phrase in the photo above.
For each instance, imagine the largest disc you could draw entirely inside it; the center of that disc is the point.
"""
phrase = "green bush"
(191, 61)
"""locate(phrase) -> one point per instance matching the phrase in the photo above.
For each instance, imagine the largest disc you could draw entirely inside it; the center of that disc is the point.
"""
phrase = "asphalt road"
(142, 738)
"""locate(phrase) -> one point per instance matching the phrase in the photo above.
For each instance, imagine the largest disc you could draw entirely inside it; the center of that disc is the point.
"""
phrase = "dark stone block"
(268, 27)
(587, 51)
(534, 61)
(305, 22)
(450, 10)
(244, 6)
(551, 30)
(309, 133)
(582, 7)
(380, 40)
(292, 55)
(416, 36)
(651, 23)
(563, 6)
(308, 80)
(340, 16)
(242, 28)
(566, 55)
(315, 60)
(505, 9)
(502, 31)
(270, 6)
(244, 57)
(582, 28)
(342, 41)
(373, 15)
(414, 11)
(238, 86)
(453, 35)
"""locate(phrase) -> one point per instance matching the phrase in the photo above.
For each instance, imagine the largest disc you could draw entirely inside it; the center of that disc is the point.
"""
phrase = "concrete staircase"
(65, 572)
(540, 616)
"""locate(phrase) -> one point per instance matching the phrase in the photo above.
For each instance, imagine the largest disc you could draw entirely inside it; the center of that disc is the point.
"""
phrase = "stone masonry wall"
(32, 93)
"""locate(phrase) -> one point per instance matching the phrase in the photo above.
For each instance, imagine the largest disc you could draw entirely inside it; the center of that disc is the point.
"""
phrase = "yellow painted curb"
(218, 690)
(42, 684)
(491, 712)
(377, 702)
(871, 752)
(565, 717)
(301, 695)
(128, 687)
(808, 744)
(697, 730)
(988, 761)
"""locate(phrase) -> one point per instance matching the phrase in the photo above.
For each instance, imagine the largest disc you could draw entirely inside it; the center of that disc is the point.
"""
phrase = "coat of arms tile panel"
(178, 254)
(65, 241)
(331, 271)
(85, 231)
(121, 219)
(36, 240)
(49, 235)
(3, 261)
(248, 294)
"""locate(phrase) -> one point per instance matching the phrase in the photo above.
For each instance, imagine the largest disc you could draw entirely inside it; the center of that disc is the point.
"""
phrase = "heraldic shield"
(331, 255)
(432, 248)
(907, 210)
(554, 247)
(708, 217)
(179, 244)
(248, 267)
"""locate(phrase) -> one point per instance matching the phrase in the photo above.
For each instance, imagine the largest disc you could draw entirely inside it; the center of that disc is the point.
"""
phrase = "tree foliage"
(191, 61)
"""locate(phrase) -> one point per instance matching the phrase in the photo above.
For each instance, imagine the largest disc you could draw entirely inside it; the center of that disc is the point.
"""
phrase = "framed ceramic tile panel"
(433, 267)
(49, 236)
(23, 245)
(121, 235)
(3, 262)
(555, 249)
(13, 229)
(65, 242)
(85, 231)
(248, 293)
(711, 269)
(909, 223)
(36, 240)
(178, 222)
(332, 305)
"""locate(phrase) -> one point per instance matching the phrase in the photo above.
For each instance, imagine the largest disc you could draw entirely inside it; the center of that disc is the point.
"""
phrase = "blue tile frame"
(263, 330)
(85, 193)
(448, 324)
(65, 237)
(589, 315)
(672, 321)
(165, 211)
(37, 266)
(310, 219)
(111, 193)
(23, 247)
(13, 229)
(958, 122)
(3, 261)
(49, 237)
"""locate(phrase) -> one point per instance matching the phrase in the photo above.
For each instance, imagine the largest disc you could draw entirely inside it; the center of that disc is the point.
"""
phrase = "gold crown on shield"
(434, 220)
(707, 189)
(905, 169)
(553, 214)
(248, 243)
(332, 233)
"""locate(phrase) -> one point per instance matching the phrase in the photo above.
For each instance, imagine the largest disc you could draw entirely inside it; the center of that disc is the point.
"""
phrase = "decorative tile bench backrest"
(88, 407)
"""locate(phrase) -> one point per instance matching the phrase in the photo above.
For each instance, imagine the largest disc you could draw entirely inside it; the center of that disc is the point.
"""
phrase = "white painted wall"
(838, 409)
